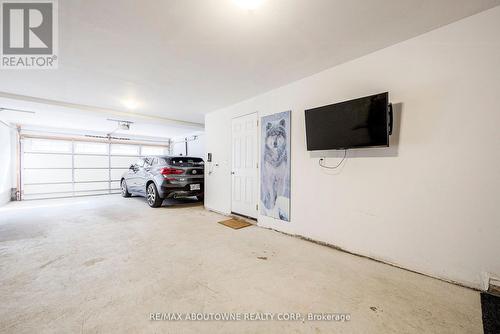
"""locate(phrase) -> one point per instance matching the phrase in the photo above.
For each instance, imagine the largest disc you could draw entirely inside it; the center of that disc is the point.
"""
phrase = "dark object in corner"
(490, 305)
(14, 194)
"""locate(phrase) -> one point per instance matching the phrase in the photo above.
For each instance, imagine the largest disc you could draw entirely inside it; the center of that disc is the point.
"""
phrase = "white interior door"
(244, 165)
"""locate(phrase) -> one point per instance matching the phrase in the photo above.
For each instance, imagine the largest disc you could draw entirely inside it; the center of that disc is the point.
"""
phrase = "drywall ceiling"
(183, 58)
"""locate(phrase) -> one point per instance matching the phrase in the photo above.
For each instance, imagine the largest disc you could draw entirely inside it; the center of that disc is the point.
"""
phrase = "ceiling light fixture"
(249, 4)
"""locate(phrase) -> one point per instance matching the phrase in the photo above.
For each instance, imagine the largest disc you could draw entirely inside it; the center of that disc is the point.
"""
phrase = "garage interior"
(399, 236)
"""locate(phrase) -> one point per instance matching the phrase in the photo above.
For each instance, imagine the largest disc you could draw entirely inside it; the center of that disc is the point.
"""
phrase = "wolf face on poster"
(275, 166)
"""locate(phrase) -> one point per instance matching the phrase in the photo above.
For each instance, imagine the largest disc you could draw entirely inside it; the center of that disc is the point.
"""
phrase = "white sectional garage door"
(53, 168)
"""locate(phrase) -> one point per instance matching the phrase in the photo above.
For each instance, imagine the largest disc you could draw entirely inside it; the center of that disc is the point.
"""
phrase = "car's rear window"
(186, 162)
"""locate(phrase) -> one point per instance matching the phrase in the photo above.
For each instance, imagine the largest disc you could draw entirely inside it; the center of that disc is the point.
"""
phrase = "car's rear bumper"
(182, 193)
(181, 189)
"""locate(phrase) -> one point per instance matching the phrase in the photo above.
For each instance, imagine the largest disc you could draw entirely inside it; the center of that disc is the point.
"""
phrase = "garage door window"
(45, 145)
(91, 148)
(153, 150)
(117, 149)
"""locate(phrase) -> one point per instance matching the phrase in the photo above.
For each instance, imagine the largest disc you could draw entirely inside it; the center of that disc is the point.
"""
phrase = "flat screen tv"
(362, 122)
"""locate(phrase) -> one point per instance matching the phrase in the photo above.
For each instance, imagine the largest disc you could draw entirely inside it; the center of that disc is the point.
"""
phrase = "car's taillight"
(171, 171)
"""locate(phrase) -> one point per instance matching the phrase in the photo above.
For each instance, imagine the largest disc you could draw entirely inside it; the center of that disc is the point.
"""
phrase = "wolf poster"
(275, 166)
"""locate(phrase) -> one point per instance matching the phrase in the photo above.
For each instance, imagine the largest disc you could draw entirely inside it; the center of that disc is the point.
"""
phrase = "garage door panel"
(47, 188)
(45, 196)
(123, 162)
(91, 148)
(115, 185)
(82, 175)
(46, 175)
(91, 193)
(47, 145)
(120, 149)
(36, 160)
(116, 174)
(153, 150)
(91, 161)
(91, 186)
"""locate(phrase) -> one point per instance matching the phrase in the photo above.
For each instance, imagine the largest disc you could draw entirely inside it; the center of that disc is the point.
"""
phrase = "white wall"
(429, 202)
(5, 164)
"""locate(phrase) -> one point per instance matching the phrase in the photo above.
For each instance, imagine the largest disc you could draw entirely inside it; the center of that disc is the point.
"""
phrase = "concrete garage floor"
(103, 264)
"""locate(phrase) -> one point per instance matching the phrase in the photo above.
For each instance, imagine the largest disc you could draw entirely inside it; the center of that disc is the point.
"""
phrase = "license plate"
(194, 187)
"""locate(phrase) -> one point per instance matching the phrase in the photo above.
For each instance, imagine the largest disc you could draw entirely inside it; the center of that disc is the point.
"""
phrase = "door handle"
(232, 173)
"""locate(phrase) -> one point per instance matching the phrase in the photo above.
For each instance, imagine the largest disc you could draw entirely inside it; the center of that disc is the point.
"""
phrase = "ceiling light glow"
(249, 4)
(130, 104)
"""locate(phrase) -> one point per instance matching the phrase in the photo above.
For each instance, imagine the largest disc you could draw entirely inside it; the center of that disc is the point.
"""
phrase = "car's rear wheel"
(124, 189)
(200, 198)
(152, 196)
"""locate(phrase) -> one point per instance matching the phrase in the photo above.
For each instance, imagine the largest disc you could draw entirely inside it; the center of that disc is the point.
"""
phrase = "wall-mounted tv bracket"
(391, 118)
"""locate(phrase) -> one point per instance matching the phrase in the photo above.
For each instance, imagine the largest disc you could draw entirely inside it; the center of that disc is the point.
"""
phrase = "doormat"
(235, 224)
(490, 305)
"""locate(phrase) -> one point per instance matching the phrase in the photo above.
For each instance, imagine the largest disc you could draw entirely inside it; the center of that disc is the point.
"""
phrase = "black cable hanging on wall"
(332, 167)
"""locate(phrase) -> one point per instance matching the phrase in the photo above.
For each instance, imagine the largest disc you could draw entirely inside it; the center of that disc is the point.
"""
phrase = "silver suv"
(160, 177)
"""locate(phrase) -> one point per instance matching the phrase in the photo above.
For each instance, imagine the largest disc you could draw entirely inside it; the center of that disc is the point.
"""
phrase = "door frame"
(257, 159)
